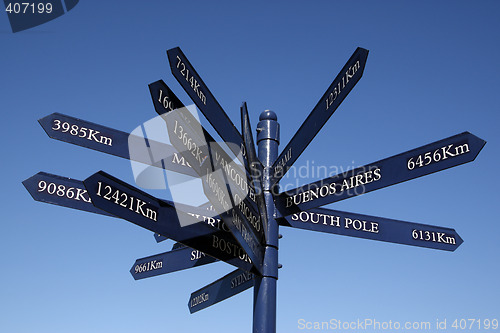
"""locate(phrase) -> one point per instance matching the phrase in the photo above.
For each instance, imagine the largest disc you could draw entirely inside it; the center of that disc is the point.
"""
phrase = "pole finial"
(268, 115)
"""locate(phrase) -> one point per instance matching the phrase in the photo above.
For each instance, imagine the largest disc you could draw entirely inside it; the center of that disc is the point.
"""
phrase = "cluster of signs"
(232, 226)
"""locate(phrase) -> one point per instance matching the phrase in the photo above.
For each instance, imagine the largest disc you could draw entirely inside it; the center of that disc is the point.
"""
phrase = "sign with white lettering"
(178, 259)
(213, 221)
(440, 155)
(255, 166)
(227, 286)
(62, 191)
(329, 102)
(164, 99)
(196, 144)
(110, 141)
(239, 223)
(123, 200)
(194, 86)
(373, 227)
(225, 190)
(71, 193)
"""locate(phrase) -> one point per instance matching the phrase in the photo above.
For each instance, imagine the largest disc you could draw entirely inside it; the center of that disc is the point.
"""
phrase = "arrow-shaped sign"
(329, 102)
(123, 200)
(227, 286)
(255, 166)
(62, 191)
(168, 262)
(110, 141)
(194, 86)
(183, 127)
(225, 187)
(437, 156)
(208, 206)
(71, 193)
(373, 227)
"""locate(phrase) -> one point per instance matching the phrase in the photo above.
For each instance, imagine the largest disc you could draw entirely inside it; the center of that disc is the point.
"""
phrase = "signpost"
(240, 223)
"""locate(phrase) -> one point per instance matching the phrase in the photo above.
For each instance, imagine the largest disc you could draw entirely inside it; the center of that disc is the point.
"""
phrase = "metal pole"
(264, 306)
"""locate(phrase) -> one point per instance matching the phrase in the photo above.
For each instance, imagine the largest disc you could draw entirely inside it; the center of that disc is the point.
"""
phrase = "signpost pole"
(264, 311)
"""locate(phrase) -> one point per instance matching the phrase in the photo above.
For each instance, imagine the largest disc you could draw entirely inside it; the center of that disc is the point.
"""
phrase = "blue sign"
(194, 86)
(227, 286)
(196, 144)
(27, 14)
(373, 227)
(225, 185)
(110, 141)
(179, 258)
(329, 102)
(213, 221)
(62, 191)
(440, 155)
(164, 99)
(123, 200)
(254, 164)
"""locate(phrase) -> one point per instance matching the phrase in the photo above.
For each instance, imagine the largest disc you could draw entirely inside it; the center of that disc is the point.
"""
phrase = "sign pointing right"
(437, 156)
(217, 291)
(329, 102)
(375, 228)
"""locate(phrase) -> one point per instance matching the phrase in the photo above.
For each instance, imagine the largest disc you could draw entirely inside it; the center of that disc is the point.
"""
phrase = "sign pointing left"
(168, 262)
(62, 191)
(123, 200)
(194, 86)
(110, 141)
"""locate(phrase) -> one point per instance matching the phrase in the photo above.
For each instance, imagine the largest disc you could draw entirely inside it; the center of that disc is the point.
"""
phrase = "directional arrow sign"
(194, 86)
(61, 191)
(223, 184)
(125, 201)
(329, 102)
(110, 141)
(213, 221)
(168, 262)
(227, 286)
(437, 156)
(373, 227)
(196, 144)
(71, 193)
(255, 166)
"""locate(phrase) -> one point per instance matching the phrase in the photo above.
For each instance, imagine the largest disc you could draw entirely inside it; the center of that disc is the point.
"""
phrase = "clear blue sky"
(432, 72)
